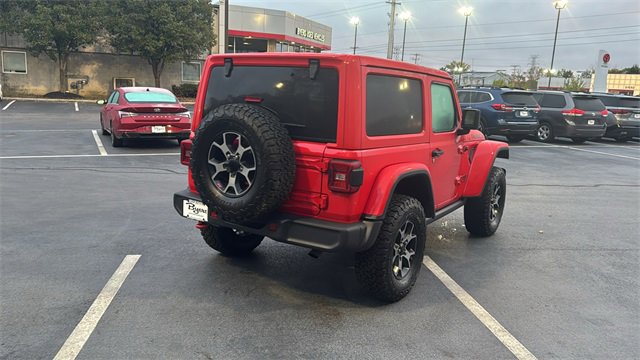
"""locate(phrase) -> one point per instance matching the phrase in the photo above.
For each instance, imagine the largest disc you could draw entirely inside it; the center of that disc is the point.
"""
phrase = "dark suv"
(508, 112)
(576, 116)
(625, 121)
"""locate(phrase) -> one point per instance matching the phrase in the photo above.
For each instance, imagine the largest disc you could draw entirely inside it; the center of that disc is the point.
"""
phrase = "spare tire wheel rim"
(232, 164)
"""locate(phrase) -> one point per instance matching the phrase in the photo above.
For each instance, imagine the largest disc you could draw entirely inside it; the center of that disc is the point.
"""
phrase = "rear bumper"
(302, 231)
(516, 128)
(622, 131)
(148, 135)
(584, 132)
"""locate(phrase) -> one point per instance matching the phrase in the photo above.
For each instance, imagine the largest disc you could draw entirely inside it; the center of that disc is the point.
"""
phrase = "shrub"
(185, 90)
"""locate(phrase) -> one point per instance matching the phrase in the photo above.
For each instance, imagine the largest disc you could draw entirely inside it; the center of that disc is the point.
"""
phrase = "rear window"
(609, 100)
(307, 108)
(514, 98)
(149, 97)
(632, 103)
(589, 104)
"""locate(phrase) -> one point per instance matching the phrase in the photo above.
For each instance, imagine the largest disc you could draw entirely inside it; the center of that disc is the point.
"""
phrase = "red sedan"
(143, 112)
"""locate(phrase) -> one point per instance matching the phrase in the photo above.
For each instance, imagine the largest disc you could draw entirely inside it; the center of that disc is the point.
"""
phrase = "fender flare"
(484, 156)
(386, 184)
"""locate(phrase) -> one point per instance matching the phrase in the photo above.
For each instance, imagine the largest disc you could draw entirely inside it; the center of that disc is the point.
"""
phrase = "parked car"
(508, 112)
(336, 152)
(576, 116)
(143, 112)
(624, 118)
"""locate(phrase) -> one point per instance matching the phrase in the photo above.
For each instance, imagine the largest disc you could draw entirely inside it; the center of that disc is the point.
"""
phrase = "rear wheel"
(482, 215)
(104, 131)
(623, 139)
(389, 269)
(115, 141)
(515, 138)
(545, 132)
(230, 242)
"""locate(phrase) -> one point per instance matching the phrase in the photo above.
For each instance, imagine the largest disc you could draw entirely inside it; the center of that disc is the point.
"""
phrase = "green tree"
(564, 73)
(499, 83)
(574, 83)
(53, 27)
(161, 31)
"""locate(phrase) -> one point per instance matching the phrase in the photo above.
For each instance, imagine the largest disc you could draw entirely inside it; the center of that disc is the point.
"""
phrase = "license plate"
(158, 129)
(194, 209)
(524, 113)
(637, 116)
(591, 122)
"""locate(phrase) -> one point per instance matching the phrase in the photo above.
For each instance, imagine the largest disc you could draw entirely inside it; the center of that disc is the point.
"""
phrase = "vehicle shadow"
(151, 143)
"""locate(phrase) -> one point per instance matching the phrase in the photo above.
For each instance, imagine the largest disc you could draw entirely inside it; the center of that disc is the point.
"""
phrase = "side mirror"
(470, 121)
(101, 102)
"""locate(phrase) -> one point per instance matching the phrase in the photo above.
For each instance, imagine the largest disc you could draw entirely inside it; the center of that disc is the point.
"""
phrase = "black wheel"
(104, 131)
(482, 215)
(242, 162)
(545, 132)
(623, 139)
(115, 141)
(230, 242)
(515, 138)
(389, 269)
(578, 140)
(483, 128)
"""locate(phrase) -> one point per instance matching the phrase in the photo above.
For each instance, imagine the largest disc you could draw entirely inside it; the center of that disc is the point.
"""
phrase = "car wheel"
(104, 131)
(623, 139)
(482, 214)
(482, 127)
(515, 138)
(545, 132)
(115, 141)
(230, 242)
(242, 162)
(389, 269)
(578, 140)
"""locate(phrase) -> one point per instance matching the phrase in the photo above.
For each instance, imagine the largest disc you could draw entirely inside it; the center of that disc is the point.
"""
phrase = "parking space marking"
(74, 343)
(44, 130)
(603, 153)
(483, 315)
(7, 106)
(81, 156)
(101, 148)
(77, 106)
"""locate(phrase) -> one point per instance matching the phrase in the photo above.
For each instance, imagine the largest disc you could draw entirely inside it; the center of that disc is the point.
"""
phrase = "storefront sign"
(310, 34)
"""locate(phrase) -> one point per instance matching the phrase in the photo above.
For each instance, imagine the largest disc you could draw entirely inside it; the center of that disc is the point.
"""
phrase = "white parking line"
(7, 106)
(72, 347)
(77, 106)
(603, 153)
(85, 155)
(101, 148)
(44, 130)
(485, 318)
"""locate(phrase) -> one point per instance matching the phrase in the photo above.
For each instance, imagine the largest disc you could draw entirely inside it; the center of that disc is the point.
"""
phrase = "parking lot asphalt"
(561, 274)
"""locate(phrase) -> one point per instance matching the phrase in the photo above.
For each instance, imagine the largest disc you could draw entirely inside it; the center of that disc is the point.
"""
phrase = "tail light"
(345, 175)
(124, 114)
(502, 107)
(573, 112)
(537, 109)
(619, 111)
(185, 114)
(604, 112)
(185, 152)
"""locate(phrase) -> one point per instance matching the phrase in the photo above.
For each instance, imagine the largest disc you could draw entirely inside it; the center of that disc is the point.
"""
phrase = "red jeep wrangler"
(336, 153)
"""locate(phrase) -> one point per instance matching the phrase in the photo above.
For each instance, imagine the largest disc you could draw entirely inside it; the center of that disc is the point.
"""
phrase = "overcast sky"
(501, 33)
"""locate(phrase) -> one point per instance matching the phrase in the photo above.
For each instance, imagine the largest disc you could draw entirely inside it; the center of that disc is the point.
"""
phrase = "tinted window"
(307, 108)
(609, 100)
(483, 97)
(553, 101)
(589, 104)
(394, 105)
(515, 98)
(628, 102)
(114, 97)
(149, 97)
(464, 96)
(443, 110)
(113, 94)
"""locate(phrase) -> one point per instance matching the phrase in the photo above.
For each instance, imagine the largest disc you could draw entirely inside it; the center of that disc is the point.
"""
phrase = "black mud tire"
(515, 138)
(578, 140)
(545, 132)
(230, 243)
(104, 131)
(374, 268)
(273, 156)
(482, 214)
(115, 141)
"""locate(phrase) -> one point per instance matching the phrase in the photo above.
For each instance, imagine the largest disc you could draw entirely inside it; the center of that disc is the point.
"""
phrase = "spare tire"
(242, 162)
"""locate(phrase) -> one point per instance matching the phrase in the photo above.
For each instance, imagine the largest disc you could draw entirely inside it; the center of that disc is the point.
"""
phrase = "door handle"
(436, 153)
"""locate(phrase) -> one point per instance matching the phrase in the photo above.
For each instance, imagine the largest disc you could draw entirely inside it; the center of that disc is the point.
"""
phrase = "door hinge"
(460, 179)
(462, 149)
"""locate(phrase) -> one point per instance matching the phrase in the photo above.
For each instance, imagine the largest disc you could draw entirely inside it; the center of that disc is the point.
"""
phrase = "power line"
(342, 11)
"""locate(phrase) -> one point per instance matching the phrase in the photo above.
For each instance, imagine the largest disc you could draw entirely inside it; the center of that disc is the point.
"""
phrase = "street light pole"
(559, 4)
(466, 11)
(355, 21)
(404, 16)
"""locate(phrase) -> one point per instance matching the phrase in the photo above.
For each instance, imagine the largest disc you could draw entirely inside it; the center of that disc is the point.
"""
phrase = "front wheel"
(230, 242)
(482, 215)
(389, 269)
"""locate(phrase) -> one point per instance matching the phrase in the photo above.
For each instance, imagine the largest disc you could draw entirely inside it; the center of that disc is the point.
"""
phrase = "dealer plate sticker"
(524, 113)
(591, 122)
(158, 129)
(196, 210)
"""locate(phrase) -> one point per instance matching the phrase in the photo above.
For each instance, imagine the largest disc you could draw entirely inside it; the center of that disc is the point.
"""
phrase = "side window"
(114, 98)
(109, 101)
(553, 101)
(394, 105)
(463, 96)
(473, 97)
(443, 109)
(483, 97)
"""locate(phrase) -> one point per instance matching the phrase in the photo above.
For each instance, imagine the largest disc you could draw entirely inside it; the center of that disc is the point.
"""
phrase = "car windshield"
(588, 103)
(307, 107)
(518, 98)
(150, 97)
(630, 102)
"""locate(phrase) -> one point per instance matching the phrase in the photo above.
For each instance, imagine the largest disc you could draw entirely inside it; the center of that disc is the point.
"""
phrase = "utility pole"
(396, 52)
(392, 24)
(415, 58)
